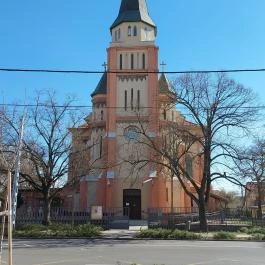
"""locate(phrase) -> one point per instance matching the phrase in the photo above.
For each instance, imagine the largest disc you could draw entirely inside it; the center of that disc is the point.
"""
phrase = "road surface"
(127, 252)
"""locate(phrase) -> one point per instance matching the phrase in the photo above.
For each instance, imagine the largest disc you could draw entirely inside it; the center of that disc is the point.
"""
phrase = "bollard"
(188, 225)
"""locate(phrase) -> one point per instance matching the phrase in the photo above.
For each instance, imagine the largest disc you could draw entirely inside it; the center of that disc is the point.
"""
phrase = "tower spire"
(133, 11)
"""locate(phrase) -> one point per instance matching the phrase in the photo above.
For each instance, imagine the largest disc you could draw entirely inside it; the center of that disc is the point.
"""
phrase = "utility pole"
(10, 225)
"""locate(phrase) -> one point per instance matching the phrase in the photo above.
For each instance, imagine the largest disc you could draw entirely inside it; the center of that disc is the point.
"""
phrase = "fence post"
(188, 225)
(222, 216)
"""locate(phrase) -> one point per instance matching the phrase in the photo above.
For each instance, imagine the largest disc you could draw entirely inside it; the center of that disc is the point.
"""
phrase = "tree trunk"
(47, 210)
(172, 194)
(202, 213)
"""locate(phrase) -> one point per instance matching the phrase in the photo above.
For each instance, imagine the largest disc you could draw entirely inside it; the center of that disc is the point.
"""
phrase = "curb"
(137, 239)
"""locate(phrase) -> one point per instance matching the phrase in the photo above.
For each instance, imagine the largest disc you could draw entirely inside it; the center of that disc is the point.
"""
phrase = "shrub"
(56, 230)
(178, 234)
(257, 230)
(244, 230)
(224, 235)
(155, 233)
(258, 236)
(167, 234)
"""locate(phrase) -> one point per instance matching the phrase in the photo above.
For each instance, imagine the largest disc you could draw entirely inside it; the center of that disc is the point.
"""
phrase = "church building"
(130, 95)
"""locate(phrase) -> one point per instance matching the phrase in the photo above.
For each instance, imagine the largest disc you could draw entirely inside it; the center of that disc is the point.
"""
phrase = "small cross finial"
(163, 64)
(105, 65)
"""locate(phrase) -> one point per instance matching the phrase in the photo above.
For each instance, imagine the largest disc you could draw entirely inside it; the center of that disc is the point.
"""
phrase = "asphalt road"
(124, 252)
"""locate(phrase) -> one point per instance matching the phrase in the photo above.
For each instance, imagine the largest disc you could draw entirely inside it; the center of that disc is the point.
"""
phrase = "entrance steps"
(137, 225)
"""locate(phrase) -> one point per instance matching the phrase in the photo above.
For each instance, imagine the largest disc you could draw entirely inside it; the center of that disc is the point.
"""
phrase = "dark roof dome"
(133, 11)
(164, 85)
(101, 88)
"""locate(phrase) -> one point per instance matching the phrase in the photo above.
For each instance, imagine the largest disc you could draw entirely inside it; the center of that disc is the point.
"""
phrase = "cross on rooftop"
(163, 64)
(105, 65)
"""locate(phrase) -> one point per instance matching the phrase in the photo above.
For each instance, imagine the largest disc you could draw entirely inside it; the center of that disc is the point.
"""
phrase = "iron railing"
(155, 217)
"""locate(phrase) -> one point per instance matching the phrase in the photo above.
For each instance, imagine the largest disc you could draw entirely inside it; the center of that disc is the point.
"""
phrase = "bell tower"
(132, 92)
(133, 26)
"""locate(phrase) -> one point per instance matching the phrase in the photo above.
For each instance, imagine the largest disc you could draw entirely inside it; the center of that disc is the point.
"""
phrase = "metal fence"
(183, 217)
(155, 217)
(257, 222)
(111, 218)
(31, 215)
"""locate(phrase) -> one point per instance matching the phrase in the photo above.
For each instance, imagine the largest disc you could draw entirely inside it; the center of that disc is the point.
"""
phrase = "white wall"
(145, 34)
(137, 60)
(126, 84)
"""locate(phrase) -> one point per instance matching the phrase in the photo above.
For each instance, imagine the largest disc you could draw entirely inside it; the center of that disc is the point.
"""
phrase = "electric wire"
(129, 71)
(105, 107)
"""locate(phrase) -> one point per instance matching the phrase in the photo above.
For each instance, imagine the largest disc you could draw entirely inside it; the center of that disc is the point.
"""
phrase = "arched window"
(165, 114)
(143, 61)
(102, 115)
(132, 99)
(132, 61)
(146, 33)
(126, 63)
(131, 133)
(138, 100)
(93, 149)
(115, 35)
(125, 100)
(165, 142)
(120, 61)
(129, 31)
(119, 33)
(189, 169)
(134, 31)
(100, 146)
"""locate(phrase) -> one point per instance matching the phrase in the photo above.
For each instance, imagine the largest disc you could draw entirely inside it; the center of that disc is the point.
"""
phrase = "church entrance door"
(132, 201)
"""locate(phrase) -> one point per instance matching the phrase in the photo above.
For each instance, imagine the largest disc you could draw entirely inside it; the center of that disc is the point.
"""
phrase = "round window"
(131, 133)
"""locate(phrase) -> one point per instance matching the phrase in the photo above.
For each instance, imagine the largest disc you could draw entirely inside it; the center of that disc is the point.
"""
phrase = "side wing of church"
(129, 97)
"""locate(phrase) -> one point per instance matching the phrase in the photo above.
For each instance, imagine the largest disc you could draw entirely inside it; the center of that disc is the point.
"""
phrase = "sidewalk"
(123, 234)
(119, 234)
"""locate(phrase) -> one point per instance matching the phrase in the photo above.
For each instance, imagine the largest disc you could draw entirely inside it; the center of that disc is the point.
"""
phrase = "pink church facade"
(129, 95)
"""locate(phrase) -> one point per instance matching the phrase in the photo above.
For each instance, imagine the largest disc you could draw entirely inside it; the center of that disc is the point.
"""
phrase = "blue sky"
(74, 34)
(59, 34)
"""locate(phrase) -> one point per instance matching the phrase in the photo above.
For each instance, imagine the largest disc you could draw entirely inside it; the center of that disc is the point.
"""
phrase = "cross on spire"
(105, 65)
(163, 64)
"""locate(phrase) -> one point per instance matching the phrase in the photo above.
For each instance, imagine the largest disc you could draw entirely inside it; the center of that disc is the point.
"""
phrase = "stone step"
(138, 223)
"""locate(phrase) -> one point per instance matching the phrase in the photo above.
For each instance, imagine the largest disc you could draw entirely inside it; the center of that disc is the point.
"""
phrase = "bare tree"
(251, 167)
(46, 146)
(2, 187)
(219, 111)
(222, 109)
(7, 158)
(234, 199)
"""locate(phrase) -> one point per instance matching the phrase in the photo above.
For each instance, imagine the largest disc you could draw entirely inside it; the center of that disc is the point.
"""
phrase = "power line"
(105, 107)
(129, 72)
(59, 106)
